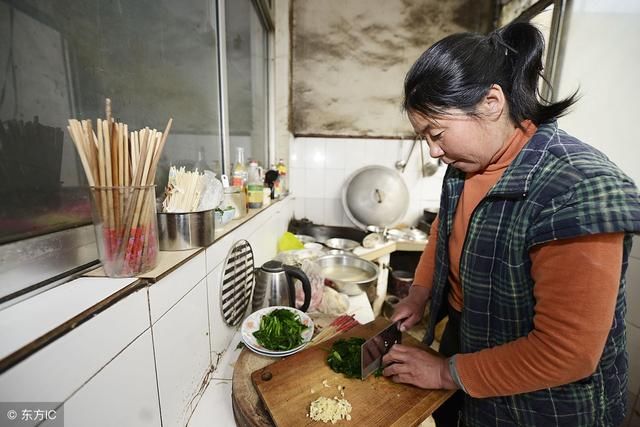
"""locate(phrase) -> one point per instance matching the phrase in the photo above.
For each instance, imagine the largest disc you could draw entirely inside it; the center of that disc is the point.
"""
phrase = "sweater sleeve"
(576, 286)
(423, 276)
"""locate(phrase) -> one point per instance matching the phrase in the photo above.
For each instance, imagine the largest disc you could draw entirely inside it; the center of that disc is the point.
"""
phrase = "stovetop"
(323, 232)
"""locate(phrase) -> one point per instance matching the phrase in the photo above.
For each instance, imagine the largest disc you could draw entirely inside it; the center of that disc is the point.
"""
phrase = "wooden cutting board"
(288, 386)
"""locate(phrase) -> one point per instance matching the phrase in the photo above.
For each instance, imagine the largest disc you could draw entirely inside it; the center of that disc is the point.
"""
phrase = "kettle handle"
(306, 286)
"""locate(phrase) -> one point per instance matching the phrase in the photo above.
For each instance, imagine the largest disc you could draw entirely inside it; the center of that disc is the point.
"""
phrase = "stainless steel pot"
(341, 244)
(180, 231)
(349, 274)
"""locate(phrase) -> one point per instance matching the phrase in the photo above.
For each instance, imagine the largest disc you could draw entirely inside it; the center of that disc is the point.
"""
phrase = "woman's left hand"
(411, 365)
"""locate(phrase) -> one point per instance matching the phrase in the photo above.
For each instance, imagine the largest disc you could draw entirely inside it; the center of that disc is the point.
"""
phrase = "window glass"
(60, 59)
(246, 45)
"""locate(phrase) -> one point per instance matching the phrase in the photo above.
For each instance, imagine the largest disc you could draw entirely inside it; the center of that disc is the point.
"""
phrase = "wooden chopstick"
(115, 158)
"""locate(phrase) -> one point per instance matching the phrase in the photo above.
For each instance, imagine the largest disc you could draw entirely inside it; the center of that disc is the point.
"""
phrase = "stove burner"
(323, 232)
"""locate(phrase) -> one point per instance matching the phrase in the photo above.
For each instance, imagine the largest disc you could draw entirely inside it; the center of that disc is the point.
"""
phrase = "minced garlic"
(330, 410)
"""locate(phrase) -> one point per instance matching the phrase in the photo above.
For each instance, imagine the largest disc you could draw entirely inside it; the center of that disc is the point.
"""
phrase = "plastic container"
(126, 230)
(236, 198)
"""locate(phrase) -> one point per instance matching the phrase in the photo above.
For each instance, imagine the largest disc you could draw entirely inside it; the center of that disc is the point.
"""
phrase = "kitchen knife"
(374, 348)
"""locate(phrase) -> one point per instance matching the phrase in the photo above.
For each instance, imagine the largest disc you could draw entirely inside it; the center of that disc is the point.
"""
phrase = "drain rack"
(237, 282)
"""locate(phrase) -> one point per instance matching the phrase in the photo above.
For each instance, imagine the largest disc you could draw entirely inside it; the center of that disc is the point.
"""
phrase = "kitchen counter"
(247, 409)
(390, 247)
(215, 405)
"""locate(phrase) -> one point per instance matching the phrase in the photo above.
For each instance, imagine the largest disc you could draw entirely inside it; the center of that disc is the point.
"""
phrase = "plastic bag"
(316, 279)
(333, 302)
(213, 192)
(288, 241)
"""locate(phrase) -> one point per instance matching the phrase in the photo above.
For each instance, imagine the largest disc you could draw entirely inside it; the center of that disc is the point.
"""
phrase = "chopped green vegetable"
(280, 330)
(344, 357)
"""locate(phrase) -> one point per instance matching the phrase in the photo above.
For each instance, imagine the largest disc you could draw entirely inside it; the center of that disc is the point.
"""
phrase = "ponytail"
(457, 72)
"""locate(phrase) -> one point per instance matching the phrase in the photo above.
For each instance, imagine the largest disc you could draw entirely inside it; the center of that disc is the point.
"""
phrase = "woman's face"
(465, 142)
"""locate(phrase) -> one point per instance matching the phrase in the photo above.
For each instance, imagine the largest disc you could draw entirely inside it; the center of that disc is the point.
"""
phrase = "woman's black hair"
(458, 71)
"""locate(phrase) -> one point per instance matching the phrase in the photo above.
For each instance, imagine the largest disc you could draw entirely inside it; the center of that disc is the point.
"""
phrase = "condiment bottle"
(282, 172)
(255, 187)
(239, 175)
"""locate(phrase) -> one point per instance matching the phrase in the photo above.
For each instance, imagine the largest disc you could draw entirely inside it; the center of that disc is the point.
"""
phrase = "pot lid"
(375, 195)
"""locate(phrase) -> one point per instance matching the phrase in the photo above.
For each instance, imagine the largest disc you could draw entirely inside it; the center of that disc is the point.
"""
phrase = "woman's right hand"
(410, 309)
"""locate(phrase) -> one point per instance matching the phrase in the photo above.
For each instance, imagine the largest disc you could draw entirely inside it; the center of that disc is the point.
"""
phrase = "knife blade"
(374, 348)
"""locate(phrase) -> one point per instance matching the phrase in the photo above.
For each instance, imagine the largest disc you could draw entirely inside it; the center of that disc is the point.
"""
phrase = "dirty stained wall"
(350, 58)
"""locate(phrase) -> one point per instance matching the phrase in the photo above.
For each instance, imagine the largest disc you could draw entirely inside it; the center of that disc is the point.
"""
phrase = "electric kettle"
(276, 279)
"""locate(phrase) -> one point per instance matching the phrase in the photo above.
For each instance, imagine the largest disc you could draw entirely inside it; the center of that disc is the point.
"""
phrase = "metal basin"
(181, 231)
(349, 274)
(341, 244)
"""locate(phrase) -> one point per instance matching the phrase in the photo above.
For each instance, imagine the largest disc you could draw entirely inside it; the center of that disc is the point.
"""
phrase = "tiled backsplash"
(321, 166)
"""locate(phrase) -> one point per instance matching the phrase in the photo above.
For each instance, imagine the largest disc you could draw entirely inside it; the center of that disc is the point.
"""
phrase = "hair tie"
(497, 39)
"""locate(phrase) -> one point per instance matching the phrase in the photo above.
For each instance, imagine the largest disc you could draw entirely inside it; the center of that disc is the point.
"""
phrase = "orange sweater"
(576, 285)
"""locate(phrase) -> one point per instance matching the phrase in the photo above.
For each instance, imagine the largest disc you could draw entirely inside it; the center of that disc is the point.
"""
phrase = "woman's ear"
(494, 102)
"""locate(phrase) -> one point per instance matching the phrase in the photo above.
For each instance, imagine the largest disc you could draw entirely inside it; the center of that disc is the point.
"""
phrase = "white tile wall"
(216, 254)
(220, 333)
(34, 317)
(124, 393)
(167, 291)
(53, 373)
(181, 345)
(320, 167)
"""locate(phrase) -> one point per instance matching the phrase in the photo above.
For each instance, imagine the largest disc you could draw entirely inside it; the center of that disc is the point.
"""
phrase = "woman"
(529, 250)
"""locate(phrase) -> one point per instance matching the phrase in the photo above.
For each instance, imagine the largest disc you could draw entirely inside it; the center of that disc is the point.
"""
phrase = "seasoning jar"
(236, 197)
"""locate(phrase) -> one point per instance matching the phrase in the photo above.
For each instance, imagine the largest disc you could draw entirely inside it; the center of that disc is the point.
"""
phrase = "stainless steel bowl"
(349, 274)
(189, 230)
(341, 244)
(305, 238)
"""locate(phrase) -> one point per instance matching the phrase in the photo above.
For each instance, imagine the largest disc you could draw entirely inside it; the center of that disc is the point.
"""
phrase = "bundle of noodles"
(184, 190)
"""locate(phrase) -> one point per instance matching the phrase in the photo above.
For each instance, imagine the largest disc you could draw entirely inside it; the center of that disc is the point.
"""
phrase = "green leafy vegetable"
(344, 357)
(280, 330)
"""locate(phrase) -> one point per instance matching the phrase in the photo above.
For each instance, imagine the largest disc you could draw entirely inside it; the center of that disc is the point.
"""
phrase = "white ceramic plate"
(282, 354)
(252, 324)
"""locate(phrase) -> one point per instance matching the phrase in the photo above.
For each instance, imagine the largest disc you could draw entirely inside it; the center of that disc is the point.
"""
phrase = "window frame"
(554, 44)
(33, 265)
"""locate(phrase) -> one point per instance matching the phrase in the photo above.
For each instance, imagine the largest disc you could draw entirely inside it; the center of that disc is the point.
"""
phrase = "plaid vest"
(556, 188)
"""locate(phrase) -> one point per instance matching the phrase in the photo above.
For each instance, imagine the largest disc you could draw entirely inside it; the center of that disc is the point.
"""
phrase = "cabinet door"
(124, 393)
(181, 344)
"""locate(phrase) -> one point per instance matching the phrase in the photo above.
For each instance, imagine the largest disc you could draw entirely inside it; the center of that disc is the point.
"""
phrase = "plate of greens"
(277, 331)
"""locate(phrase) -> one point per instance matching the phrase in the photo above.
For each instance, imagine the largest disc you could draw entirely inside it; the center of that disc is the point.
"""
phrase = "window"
(60, 59)
(549, 17)
(246, 46)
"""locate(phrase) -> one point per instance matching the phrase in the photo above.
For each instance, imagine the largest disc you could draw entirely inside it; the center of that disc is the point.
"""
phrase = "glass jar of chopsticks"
(126, 229)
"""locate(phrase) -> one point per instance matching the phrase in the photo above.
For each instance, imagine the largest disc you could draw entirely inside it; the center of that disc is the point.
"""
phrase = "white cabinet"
(122, 394)
(181, 345)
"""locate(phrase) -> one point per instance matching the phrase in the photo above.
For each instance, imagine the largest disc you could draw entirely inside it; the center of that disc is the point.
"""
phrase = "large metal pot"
(349, 274)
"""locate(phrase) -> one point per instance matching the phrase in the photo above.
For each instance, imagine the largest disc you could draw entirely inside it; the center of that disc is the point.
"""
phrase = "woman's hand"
(410, 309)
(411, 365)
